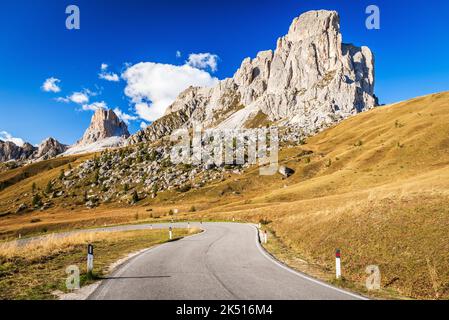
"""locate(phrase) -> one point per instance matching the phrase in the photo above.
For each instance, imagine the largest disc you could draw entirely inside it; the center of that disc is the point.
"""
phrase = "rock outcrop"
(49, 148)
(310, 81)
(104, 124)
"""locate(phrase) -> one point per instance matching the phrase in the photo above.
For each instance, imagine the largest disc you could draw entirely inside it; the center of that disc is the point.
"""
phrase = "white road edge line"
(299, 274)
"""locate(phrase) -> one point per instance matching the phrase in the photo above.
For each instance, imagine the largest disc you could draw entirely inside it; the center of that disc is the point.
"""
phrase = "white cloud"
(108, 76)
(94, 106)
(152, 87)
(77, 97)
(178, 54)
(126, 118)
(143, 125)
(51, 85)
(5, 136)
(203, 61)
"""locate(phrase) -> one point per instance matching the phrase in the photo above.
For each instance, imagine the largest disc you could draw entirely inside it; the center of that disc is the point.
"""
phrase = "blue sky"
(411, 51)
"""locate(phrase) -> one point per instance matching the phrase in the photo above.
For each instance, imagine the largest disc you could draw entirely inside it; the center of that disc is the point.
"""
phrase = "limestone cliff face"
(309, 81)
(104, 124)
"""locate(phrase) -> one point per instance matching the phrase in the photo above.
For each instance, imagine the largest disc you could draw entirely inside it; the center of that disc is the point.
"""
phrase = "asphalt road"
(225, 262)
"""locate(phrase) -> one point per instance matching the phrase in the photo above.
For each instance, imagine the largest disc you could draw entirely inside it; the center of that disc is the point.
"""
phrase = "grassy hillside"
(376, 186)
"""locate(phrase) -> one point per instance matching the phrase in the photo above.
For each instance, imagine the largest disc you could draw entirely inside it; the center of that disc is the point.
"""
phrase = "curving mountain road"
(224, 262)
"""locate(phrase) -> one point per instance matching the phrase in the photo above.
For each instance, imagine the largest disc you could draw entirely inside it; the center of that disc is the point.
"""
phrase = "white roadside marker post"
(260, 225)
(90, 259)
(337, 264)
(170, 233)
(265, 237)
(151, 227)
(188, 225)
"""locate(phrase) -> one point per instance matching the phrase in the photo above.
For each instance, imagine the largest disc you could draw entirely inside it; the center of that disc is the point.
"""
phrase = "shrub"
(49, 188)
(265, 221)
(96, 177)
(192, 209)
(37, 200)
(135, 197)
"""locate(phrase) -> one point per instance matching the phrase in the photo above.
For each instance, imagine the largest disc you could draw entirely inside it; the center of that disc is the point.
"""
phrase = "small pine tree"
(126, 187)
(61, 174)
(33, 187)
(135, 197)
(96, 177)
(37, 200)
(49, 188)
(85, 196)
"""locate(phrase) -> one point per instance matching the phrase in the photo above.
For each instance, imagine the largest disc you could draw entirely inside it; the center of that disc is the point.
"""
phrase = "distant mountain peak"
(49, 148)
(104, 124)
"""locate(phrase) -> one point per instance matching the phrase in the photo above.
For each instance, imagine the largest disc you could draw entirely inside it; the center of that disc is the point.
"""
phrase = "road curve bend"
(225, 262)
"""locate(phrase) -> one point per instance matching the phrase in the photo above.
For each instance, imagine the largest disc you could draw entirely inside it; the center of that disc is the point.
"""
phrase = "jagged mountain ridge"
(311, 80)
(48, 148)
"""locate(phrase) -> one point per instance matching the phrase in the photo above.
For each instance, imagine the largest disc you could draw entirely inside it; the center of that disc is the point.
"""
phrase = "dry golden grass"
(36, 270)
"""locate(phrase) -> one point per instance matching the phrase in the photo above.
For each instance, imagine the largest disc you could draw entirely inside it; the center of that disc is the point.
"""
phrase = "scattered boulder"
(22, 208)
(286, 171)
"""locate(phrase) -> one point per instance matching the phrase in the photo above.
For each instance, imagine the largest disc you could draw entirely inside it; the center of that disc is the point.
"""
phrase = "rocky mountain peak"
(310, 81)
(49, 148)
(314, 24)
(104, 124)
(11, 151)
